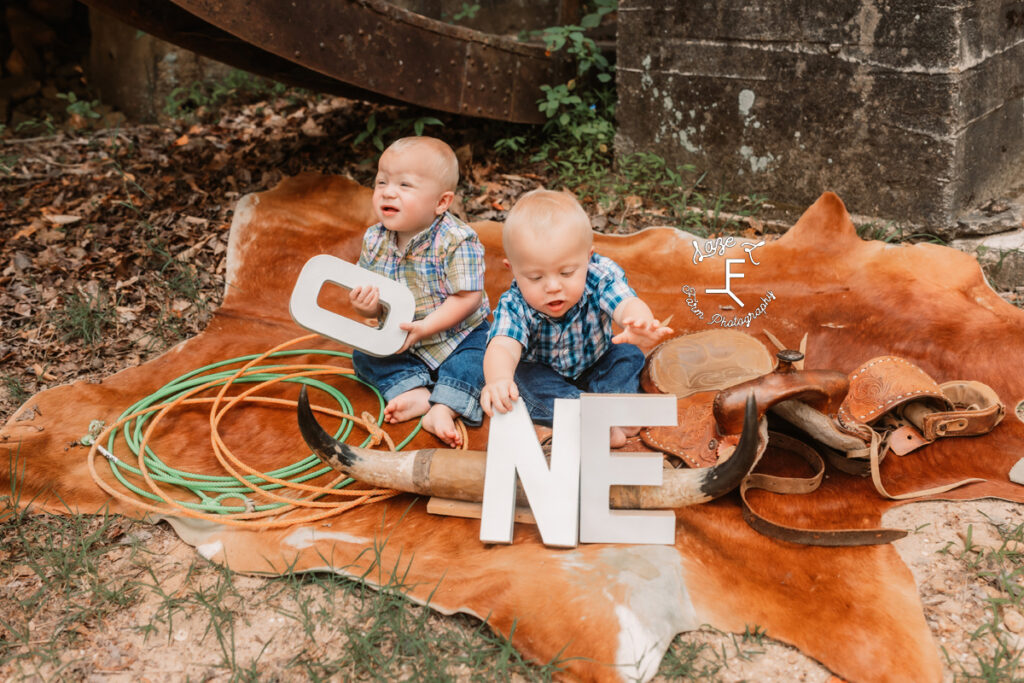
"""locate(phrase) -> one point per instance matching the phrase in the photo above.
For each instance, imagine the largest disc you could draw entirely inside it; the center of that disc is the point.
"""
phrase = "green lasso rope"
(211, 490)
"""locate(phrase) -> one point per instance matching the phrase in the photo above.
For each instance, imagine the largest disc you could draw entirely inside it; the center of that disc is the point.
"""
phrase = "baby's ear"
(508, 266)
(444, 202)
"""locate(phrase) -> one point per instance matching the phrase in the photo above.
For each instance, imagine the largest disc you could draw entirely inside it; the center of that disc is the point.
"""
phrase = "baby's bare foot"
(619, 435)
(407, 405)
(440, 421)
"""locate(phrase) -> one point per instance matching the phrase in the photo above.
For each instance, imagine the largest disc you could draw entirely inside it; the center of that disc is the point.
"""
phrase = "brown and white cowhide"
(609, 610)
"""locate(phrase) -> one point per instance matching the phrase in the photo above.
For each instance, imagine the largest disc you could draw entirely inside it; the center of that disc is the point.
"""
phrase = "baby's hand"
(416, 332)
(641, 332)
(366, 300)
(499, 396)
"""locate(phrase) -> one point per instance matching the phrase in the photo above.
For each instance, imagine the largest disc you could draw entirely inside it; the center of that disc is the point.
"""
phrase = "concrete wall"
(908, 109)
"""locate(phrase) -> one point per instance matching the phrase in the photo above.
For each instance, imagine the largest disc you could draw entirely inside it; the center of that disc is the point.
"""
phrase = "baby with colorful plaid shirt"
(438, 373)
(552, 335)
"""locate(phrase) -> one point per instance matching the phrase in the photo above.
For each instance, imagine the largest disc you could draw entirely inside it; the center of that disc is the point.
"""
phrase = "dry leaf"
(312, 129)
(28, 232)
(62, 219)
(49, 236)
(126, 315)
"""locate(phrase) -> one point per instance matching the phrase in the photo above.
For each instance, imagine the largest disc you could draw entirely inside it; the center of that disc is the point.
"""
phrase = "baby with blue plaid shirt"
(552, 335)
(438, 373)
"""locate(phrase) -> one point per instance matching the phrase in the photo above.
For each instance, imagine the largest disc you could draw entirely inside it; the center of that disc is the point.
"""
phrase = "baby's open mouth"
(388, 210)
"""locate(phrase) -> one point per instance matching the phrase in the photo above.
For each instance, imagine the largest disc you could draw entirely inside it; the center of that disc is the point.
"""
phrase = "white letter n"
(553, 493)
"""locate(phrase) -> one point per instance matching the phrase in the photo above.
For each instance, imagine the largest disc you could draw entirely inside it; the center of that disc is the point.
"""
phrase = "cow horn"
(458, 474)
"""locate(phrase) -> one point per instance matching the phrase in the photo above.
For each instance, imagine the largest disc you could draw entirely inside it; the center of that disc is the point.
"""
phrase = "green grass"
(15, 391)
(61, 586)
(66, 577)
(689, 659)
(177, 277)
(889, 231)
(187, 103)
(995, 654)
(84, 317)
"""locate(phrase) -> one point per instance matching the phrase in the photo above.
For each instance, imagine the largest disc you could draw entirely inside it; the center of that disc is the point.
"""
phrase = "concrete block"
(995, 235)
(910, 111)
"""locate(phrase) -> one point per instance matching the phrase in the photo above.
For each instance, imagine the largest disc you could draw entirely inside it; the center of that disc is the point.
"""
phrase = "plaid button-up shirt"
(443, 260)
(572, 343)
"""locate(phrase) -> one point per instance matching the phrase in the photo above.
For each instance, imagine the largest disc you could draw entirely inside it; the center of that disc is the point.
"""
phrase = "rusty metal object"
(367, 49)
(362, 49)
(168, 22)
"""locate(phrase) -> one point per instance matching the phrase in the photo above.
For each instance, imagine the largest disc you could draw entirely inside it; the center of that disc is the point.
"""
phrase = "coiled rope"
(245, 497)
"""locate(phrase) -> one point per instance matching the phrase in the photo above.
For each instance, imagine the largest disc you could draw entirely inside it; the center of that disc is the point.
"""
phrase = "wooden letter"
(600, 468)
(396, 297)
(553, 493)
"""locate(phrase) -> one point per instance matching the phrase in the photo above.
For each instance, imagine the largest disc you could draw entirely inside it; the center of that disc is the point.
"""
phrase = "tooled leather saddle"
(888, 404)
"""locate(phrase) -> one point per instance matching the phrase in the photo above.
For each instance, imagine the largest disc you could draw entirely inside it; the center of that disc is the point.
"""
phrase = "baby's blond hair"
(447, 165)
(544, 211)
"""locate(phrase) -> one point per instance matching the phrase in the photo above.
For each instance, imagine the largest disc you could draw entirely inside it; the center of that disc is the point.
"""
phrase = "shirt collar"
(418, 240)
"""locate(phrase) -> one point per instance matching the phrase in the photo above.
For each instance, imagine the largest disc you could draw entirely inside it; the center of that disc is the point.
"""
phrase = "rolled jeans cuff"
(461, 398)
(405, 383)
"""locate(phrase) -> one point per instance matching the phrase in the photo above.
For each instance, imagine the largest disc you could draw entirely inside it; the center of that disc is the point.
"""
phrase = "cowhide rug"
(609, 610)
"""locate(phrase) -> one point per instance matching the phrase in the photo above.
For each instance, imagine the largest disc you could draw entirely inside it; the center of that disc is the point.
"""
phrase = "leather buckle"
(951, 426)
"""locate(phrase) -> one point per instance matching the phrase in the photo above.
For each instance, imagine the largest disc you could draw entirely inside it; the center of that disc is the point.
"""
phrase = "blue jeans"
(455, 383)
(616, 372)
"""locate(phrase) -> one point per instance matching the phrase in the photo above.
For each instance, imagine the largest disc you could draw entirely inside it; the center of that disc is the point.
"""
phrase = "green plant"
(7, 162)
(575, 141)
(511, 144)
(996, 654)
(468, 11)
(179, 278)
(377, 132)
(873, 230)
(60, 561)
(84, 316)
(31, 125)
(184, 102)
(77, 107)
(15, 391)
(690, 658)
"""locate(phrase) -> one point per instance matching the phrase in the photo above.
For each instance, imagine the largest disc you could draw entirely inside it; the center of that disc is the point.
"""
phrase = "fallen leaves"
(61, 219)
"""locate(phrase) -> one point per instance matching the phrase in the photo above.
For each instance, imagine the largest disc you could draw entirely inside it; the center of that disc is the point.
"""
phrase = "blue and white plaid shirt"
(577, 340)
(445, 259)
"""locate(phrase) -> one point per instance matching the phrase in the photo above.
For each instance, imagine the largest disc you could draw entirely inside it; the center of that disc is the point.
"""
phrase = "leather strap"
(790, 485)
(977, 410)
(876, 477)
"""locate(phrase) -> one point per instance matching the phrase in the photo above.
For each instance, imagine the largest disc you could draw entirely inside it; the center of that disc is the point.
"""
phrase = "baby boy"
(438, 373)
(552, 335)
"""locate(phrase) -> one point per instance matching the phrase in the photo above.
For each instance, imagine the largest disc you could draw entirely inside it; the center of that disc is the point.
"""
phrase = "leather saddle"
(886, 405)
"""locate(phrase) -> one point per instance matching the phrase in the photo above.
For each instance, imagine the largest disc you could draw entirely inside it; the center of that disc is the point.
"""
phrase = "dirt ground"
(113, 249)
